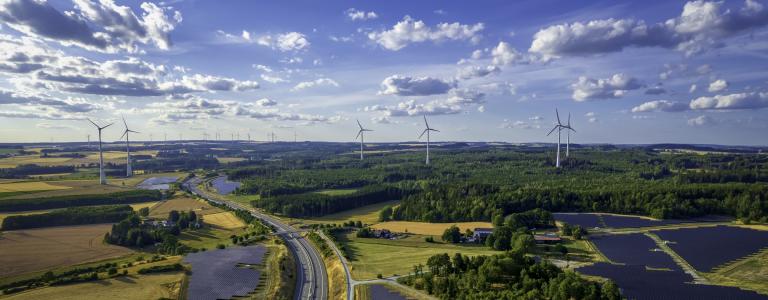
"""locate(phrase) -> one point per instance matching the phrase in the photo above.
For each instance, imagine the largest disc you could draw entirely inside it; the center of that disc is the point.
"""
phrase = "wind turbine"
(128, 170)
(102, 177)
(360, 134)
(568, 139)
(427, 130)
(559, 127)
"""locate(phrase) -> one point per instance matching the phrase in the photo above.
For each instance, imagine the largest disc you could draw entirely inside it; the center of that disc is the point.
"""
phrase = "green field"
(370, 257)
(368, 214)
(207, 237)
(337, 192)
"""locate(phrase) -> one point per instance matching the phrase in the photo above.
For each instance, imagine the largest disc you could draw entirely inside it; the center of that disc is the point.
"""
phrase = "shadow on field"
(350, 251)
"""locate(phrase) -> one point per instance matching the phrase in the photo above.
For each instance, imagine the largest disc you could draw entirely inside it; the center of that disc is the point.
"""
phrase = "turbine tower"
(360, 134)
(102, 177)
(559, 127)
(128, 170)
(427, 130)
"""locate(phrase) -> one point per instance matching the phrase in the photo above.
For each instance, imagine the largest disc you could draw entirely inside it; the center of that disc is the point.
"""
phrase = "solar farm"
(634, 249)
(224, 186)
(224, 273)
(706, 248)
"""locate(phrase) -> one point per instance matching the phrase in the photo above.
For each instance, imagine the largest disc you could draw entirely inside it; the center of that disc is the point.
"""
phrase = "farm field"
(337, 192)
(706, 248)
(25, 251)
(633, 249)
(226, 160)
(207, 237)
(638, 283)
(149, 286)
(424, 228)
(370, 257)
(13, 161)
(224, 220)
(137, 206)
(162, 209)
(73, 187)
(30, 186)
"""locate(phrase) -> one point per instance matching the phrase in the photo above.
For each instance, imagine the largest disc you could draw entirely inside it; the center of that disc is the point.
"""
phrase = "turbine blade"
(358, 134)
(423, 132)
(425, 121)
(133, 131)
(94, 124)
(110, 124)
(124, 123)
(558, 117)
(434, 130)
(358, 124)
(124, 133)
(551, 131)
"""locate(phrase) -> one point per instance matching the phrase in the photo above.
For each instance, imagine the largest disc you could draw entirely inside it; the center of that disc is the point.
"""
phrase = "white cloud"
(289, 41)
(315, 83)
(414, 86)
(470, 72)
(359, 15)
(616, 86)
(656, 90)
(702, 121)
(99, 26)
(751, 100)
(410, 31)
(702, 25)
(264, 102)
(508, 124)
(717, 85)
(692, 89)
(505, 54)
(591, 117)
(411, 108)
(481, 108)
(660, 105)
(272, 78)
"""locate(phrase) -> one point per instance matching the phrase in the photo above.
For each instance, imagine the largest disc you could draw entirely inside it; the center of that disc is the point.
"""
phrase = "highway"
(312, 279)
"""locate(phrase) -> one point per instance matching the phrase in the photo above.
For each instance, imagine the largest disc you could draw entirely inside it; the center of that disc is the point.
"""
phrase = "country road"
(312, 279)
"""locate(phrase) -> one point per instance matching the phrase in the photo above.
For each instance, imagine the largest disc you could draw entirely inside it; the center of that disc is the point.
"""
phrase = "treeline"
(126, 197)
(723, 176)
(505, 276)
(69, 216)
(22, 171)
(131, 232)
(316, 204)
(469, 202)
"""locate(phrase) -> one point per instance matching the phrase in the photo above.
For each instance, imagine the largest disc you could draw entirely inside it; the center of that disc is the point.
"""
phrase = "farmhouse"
(482, 233)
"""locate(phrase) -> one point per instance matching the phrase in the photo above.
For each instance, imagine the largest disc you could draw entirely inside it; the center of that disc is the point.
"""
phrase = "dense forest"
(505, 276)
(69, 216)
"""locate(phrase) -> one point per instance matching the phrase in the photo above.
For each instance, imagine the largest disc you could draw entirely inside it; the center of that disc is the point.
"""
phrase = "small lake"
(157, 183)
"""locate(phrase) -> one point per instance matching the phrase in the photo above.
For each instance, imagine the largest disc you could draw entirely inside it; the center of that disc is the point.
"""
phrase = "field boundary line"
(697, 278)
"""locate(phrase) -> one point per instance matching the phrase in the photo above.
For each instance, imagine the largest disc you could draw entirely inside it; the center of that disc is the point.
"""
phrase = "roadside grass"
(368, 214)
(280, 268)
(243, 199)
(336, 192)
(425, 228)
(370, 257)
(337, 278)
(223, 220)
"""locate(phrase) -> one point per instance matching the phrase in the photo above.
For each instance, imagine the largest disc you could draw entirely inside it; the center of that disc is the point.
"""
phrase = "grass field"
(368, 214)
(13, 161)
(224, 220)
(72, 187)
(337, 192)
(370, 257)
(24, 251)
(30, 186)
(750, 273)
(162, 209)
(428, 228)
(243, 199)
(137, 206)
(226, 160)
(208, 237)
(150, 286)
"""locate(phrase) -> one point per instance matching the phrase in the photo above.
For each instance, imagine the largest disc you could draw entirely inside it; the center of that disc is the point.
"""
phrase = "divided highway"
(312, 279)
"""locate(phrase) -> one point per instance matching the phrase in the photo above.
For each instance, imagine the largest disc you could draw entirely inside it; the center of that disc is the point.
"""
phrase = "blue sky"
(627, 72)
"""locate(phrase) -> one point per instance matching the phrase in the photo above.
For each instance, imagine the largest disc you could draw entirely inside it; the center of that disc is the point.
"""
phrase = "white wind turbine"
(102, 177)
(361, 135)
(427, 130)
(559, 127)
(128, 170)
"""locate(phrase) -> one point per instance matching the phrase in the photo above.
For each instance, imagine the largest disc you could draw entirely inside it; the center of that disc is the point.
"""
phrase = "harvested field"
(150, 286)
(424, 228)
(73, 187)
(183, 204)
(25, 251)
(30, 186)
(225, 220)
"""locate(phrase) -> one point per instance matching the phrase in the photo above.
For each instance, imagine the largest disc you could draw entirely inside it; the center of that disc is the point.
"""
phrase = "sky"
(627, 72)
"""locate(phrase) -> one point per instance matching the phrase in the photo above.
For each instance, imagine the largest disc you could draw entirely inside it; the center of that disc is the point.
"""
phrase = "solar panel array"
(216, 274)
(380, 292)
(633, 249)
(636, 282)
(224, 186)
(156, 183)
(708, 247)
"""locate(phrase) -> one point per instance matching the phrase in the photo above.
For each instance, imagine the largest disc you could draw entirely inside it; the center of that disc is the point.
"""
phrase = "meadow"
(25, 251)
(223, 220)
(162, 209)
(424, 228)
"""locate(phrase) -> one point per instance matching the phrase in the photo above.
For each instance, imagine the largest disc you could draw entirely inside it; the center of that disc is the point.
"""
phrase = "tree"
(173, 216)
(452, 234)
(522, 242)
(144, 211)
(385, 214)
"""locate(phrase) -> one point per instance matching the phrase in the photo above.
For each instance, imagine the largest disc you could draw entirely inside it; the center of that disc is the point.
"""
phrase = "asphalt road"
(312, 279)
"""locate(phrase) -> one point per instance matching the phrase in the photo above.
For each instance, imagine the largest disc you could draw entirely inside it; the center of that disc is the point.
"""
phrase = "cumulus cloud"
(702, 121)
(660, 105)
(750, 100)
(69, 105)
(315, 83)
(411, 108)
(410, 31)
(717, 85)
(264, 102)
(508, 124)
(701, 26)
(100, 26)
(359, 15)
(505, 54)
(414, 86)
(285, 42)
(470, 72)
(656, 90)
(616, 86)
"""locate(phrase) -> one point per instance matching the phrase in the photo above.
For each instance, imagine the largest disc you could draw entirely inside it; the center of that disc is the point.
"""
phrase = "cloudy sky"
(626, 72)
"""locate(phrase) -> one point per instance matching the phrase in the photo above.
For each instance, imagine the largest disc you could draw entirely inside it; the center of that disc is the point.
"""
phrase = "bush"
(161, 269)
